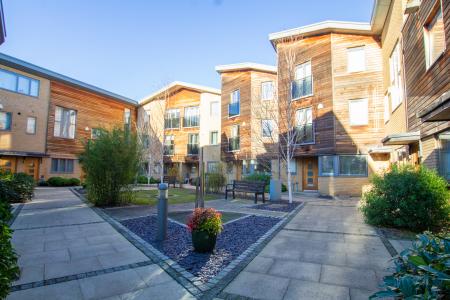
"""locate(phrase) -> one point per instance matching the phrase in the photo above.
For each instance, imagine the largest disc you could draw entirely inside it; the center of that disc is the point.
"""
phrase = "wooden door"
(31, 167)
(310, 173)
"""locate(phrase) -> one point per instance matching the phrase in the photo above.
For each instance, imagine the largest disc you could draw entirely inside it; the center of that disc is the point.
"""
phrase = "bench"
(257, 187)
(169, 180)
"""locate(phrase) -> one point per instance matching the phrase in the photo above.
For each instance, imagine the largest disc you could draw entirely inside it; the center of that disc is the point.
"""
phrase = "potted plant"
(205, 224)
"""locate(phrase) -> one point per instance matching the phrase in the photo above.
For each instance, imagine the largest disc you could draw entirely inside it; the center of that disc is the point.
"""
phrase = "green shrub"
(61, 181)
(153, 180)
(142, 179)
(215, 182)
(19, 186)
(260, 177)
(422, 272)
(283, 188)
(111, 163)
(74, 181)
(407, 197)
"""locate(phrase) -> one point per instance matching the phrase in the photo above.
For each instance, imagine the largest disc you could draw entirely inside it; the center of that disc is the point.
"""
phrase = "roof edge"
(246, 66)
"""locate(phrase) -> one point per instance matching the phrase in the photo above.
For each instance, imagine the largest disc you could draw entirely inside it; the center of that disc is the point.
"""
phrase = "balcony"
(305, 134)
(192, 121)
(192, 149)
(302, 87)
(169, 149)
(234, 109)
(173, 123)
(234, 144)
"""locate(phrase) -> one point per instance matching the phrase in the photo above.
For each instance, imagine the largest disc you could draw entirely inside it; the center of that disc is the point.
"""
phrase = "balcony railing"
(234, 109)
(305, 134)
(302, 87)
(234, 144)
(193, 121)
(192, 149)
(172, 123)
(169, 149)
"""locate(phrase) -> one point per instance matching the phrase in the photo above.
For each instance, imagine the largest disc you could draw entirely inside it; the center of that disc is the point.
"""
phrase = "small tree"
(111, 163)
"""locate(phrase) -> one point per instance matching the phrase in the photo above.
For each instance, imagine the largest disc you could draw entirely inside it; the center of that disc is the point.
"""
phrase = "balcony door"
(310, 174)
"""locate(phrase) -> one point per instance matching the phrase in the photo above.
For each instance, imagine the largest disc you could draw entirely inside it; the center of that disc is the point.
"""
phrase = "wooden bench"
(256, 187)
(169, 180)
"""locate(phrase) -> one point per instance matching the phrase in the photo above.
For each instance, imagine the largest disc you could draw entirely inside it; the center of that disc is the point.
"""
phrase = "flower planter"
(203, 241)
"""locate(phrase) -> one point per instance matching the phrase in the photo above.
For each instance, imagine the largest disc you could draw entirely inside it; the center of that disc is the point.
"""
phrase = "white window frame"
(173, 113)
(33, 84)
(270, 125)
(353, 67)
(189, 114)
(396, 80)
(234, 100)
(306, 69)
(210, 137)
(33, 131)
(429, 61)
(358, 113)
(60, 120)
(267, 90)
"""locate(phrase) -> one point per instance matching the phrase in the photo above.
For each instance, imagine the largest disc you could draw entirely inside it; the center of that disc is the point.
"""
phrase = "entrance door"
(310, 173)
(31, 167)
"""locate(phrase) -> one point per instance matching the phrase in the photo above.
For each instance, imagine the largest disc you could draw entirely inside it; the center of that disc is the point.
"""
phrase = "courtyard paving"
(68, 252)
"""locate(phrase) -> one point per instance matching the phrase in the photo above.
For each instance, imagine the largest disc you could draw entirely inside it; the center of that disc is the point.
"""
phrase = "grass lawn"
(182, 216)
(176, 196)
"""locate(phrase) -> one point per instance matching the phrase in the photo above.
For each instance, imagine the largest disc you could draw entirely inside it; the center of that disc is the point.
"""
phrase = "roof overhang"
(380, 150)
(176, 86)
(379, 13)
(438, 111)
(22, 153)
(403, 138)
(41, 72)
(246, 66)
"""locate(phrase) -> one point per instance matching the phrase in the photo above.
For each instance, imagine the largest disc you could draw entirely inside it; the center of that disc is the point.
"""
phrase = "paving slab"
(307, 290)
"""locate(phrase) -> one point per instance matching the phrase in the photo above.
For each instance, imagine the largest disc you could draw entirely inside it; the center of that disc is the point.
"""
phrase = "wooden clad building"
(249, 115)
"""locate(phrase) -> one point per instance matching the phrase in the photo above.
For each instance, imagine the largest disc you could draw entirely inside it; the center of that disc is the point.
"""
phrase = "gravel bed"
(235, 238)
(281, 206)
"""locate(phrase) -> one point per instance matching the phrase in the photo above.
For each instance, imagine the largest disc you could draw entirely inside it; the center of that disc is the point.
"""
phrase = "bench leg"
(226, 194)
(256, 198)
(264, 198)
(234, 196)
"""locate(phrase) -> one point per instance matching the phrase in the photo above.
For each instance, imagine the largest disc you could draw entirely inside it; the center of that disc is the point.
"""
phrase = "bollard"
(162, 211)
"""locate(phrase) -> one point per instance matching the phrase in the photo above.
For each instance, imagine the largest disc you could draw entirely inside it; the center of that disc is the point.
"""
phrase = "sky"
(135, 47)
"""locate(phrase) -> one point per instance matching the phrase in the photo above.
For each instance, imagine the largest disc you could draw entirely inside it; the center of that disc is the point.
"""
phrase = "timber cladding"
(424, 85)
(93, 111)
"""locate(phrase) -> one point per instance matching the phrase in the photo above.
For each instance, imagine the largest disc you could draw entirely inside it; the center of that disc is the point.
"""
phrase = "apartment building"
(249, 117)
(182, 122)
(45, 118)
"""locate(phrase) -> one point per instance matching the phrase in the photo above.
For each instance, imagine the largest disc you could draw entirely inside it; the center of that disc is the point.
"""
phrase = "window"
(212, 167)
(234, 142)
(358, 111)
(302, 85)
(267, 127)
(95, 133)
(60, 165)
(127, 117)
(214, 137)
(444, 155)
(5, 120)
(395, 68)
(18, 83)
(305, 128)
(234, 106)
(145, 141)
(293, 166)
(172, 119)
(169, 145)
(65, 121)
(191, 117)
(31, 125)
(326, 165)
(356, 59)
(434, 36)
(214, 109)
(248, 167)
(156, 168)
(267, 90)
(343, 165)
(192, 147)
(146, 118)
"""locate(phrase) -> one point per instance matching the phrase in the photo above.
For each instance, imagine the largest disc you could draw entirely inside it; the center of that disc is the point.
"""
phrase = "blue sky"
(134, 47)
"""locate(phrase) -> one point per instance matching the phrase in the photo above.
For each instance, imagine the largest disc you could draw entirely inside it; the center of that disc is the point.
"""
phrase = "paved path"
(68, 252)
(325, 252)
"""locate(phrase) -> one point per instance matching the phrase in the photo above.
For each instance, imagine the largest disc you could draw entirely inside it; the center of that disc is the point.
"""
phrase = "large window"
(302, 86)
(267, 128)
(65, 122)
(191, 117)
(356, 59)
(305, 126)
(62, 165)
(444, 155)
(214, 137)
(234, 108)
(18, 83)
(5, 120)
(192, 147)
(434, 36)
(127, 117)
(212, 166)
(267, 90)
(172, 119)
(343, 165)
(234, 141)
(214, 109)
(31, 125)
(358, 112)
(395, 67)
(169, 145)
(293, 166)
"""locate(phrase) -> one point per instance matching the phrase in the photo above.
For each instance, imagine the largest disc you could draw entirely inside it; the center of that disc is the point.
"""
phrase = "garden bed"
(235, 238)
(281, 206)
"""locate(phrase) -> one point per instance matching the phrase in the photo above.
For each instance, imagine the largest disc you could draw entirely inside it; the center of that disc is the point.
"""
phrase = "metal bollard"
(162, 211)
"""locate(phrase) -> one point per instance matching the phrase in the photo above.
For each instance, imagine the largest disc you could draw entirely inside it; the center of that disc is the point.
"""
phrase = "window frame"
(337, 166)
(352, 124)
(271, 83)
(352, 49)
(16, 90)
(171, 119)
(211, 114)
(10, 120)
(210, 163)
(184, 116)
(396, 77)
(231, 102)
(270, 121)
(171, 138)
(34, 128)
(66, 160)
(430, 18)
(308, 62)
(305, 109)
(210, 137)
(75, 123)
(238, 126)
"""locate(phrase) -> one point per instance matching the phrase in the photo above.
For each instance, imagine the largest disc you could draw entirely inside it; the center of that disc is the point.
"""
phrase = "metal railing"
(192, 149)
